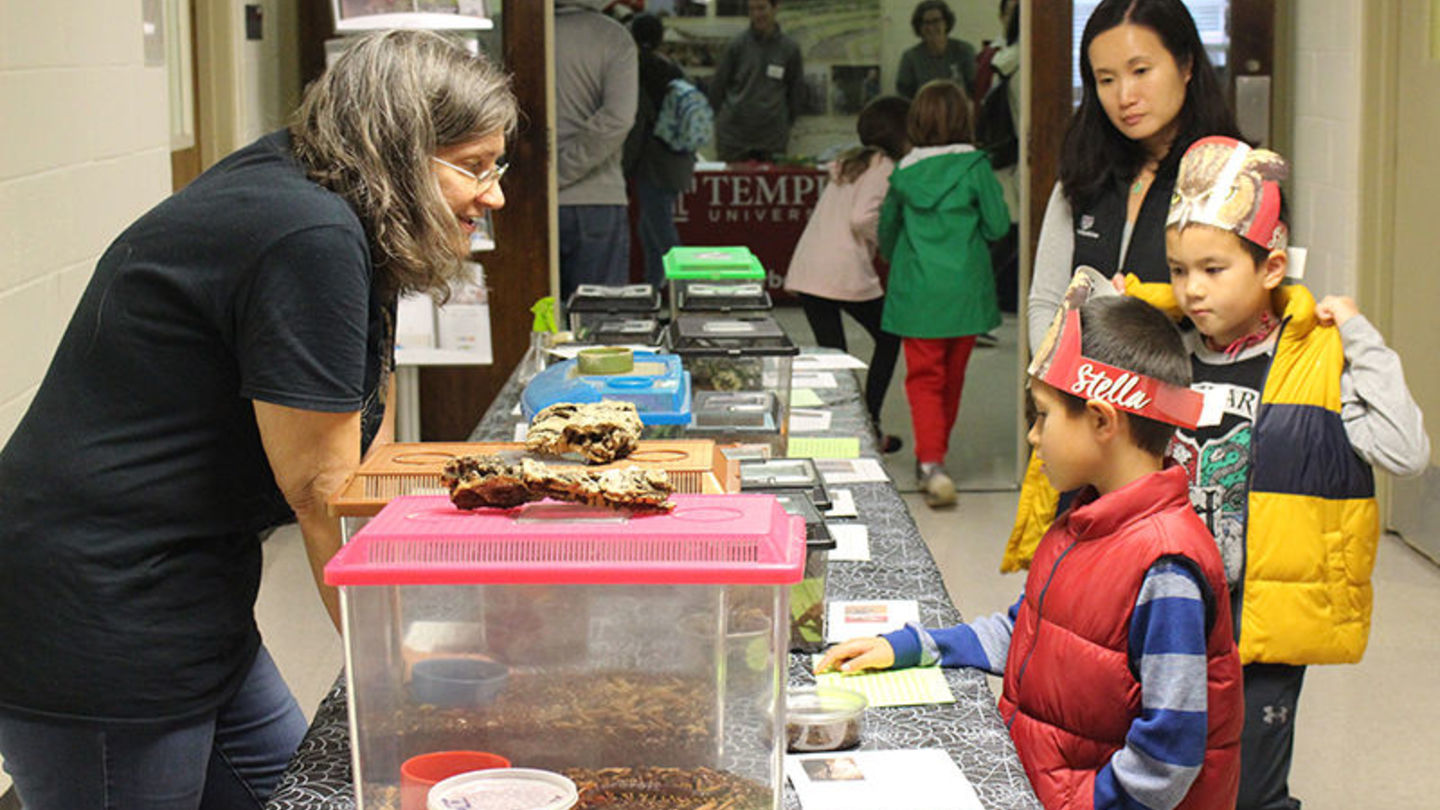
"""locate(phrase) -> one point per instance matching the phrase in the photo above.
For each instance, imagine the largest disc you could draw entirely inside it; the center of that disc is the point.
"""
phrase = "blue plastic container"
(658, 385)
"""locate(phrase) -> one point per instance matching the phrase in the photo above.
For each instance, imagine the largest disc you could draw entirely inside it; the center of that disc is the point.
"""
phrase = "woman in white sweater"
(833, 267)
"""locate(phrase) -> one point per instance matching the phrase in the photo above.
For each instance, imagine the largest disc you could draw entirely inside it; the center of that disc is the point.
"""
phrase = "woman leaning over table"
(222, 374)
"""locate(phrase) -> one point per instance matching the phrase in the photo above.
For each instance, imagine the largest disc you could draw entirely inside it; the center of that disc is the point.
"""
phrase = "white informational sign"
(858, 619)
(463, 323)
(915, 779)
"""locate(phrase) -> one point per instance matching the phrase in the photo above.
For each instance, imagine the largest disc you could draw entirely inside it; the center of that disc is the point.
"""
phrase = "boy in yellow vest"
(1310, 397)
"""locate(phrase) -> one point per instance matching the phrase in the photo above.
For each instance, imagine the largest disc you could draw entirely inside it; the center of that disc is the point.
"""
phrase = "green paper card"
(900, 687)
(824, 447)
(805, 398)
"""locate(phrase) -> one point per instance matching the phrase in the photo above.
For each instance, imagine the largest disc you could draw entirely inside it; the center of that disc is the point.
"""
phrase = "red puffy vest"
(1069, 693)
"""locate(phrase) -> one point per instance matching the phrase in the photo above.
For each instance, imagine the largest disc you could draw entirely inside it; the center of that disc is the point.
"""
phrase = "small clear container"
(623, 331)
(684, 265)
(719, 297)
(740, 370)
(591, 304)
(820, 718)
(785, 475)
(807, 598)
(657, 384)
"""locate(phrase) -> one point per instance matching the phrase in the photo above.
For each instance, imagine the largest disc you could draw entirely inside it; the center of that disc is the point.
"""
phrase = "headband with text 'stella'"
(1059, 363)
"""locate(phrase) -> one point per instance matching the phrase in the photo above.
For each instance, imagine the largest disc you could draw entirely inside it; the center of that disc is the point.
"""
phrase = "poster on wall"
(840, 43)
(854, 87)
(364, 15)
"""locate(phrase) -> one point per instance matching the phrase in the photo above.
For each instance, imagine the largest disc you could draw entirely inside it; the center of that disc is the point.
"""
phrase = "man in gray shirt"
(597, 80)
(757, 89)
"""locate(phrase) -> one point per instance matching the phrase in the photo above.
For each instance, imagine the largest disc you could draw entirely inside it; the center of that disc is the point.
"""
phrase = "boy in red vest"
(1122, 686)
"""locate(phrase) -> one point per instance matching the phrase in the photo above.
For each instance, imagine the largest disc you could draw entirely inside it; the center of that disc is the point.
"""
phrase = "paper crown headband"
(1227, 184)
(1059, 363)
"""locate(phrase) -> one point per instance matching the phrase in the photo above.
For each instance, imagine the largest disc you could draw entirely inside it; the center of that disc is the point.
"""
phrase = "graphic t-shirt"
(1218, 458)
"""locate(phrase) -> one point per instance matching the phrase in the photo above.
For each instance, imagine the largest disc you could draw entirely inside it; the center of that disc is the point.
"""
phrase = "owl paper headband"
(1228, 185)
(1059, 363)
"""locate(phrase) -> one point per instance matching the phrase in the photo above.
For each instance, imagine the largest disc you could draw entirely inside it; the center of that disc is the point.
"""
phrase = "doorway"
(1403, 107)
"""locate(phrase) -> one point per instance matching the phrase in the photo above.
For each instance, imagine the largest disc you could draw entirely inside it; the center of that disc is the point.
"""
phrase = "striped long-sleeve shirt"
(1165, 746)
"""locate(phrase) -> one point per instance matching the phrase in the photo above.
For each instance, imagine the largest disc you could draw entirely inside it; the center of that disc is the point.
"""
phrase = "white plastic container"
(504, 789)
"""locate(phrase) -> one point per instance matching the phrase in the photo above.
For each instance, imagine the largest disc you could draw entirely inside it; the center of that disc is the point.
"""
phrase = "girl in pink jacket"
(833, 267)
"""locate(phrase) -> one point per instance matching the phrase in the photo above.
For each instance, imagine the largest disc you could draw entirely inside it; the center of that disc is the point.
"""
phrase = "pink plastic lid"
(737, 539)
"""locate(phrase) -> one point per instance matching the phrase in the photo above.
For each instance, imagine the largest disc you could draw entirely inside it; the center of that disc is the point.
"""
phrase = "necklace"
(1140, 178)
(1262, 332)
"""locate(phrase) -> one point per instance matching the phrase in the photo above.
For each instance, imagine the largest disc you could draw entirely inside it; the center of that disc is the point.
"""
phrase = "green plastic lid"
(712, 263)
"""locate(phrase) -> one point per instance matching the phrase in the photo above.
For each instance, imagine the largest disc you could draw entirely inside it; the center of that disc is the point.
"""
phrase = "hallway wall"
(86, 149)
(1325, 175)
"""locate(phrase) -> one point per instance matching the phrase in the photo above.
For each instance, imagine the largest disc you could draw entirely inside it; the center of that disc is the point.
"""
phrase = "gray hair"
(367, 128)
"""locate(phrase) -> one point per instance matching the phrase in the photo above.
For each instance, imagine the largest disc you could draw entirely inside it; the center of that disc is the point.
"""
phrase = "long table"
(900, 565)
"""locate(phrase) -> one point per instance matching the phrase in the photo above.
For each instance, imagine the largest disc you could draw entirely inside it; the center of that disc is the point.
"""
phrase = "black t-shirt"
(135, 487)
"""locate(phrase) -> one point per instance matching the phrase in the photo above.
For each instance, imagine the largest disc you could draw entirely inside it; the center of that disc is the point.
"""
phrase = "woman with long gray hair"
(221, 375)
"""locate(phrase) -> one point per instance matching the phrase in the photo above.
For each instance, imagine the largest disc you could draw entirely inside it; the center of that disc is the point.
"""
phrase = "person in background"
(596, 92)
(757, 89)
(222, 374)
(943, 207)
(1312, 397)
(1001, 63)
(938, 55)
(833, 266)
(1148, 92)
(657, 173)
(1121, 684)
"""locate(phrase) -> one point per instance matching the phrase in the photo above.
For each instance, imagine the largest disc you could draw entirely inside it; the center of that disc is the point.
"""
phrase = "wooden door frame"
(1380, 82)
(186, 164)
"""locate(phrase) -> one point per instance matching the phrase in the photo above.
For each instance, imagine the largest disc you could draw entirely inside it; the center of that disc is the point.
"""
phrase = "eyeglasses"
(932, 21)
(484, 181)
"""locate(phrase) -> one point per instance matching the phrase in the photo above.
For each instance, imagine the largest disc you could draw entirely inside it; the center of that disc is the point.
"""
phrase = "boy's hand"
(858, 654)
(1335, 310)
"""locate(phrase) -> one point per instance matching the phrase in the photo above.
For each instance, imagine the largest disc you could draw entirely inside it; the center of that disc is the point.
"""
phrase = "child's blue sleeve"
(982, 644)
(1165, 746)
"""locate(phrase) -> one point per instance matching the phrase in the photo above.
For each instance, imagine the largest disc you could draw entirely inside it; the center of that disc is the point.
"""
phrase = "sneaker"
(986, 341)
(937, 485)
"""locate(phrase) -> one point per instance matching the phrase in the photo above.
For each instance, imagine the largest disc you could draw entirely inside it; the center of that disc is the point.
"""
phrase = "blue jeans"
(594, 246)
(229, 759)
(656, 226)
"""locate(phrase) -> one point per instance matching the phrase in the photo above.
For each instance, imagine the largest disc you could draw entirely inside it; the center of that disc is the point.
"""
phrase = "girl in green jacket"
(943, 207)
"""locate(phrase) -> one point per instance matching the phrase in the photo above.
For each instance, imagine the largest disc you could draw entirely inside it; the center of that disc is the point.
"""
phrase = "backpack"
(995, 127)
(685, 122)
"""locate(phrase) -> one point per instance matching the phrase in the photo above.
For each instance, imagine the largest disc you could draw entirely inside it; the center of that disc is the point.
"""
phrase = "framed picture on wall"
(369, 15)
(852, 87)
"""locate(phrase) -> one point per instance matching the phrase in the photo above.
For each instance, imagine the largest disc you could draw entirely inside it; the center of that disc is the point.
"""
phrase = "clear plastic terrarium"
(625, 651)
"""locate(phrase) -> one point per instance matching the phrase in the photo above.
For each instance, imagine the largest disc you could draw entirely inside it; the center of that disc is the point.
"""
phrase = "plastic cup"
(420, 773)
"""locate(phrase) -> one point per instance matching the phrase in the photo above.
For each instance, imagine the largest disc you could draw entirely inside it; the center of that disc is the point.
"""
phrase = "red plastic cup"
(420, 773)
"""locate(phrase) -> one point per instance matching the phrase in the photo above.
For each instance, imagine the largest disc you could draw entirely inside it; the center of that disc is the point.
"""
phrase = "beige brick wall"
(1325, 181)
(84, 149)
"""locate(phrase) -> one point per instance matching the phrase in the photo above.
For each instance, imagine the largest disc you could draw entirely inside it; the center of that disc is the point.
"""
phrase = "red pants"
(934, 380)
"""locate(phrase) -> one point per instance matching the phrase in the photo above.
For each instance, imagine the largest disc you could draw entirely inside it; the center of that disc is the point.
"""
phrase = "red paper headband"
(1059, 363)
